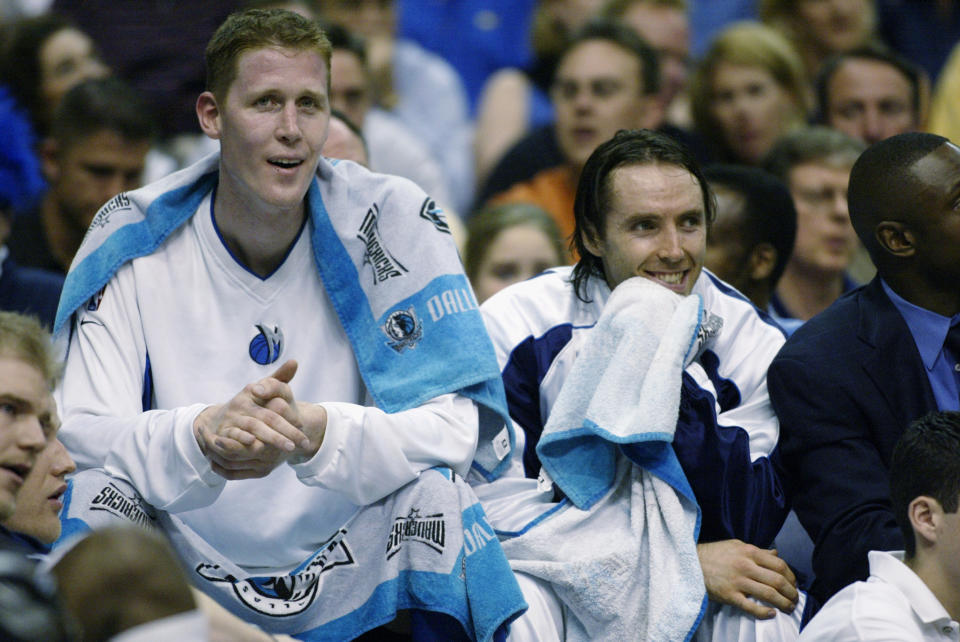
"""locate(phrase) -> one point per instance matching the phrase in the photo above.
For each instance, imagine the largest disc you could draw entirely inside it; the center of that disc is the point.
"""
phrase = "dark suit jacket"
(845, 386)
(30, 291)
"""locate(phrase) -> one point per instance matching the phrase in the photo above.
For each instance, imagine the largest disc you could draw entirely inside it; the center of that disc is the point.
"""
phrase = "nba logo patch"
(266, 346)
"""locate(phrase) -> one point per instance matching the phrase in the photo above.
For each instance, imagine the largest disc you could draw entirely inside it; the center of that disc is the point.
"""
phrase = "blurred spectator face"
(515, 254)
(826, 240)
(67, 58)
(39, 500)
(667, 31)
(92, 170)
(726, 249)
(349, 89)
(834, 26)
(368, 18)
(870, 100)
(343, 143)
(751, 109)
(597, 91)
(26, 420)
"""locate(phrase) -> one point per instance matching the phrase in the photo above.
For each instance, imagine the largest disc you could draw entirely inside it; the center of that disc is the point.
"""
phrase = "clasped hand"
(261, 427)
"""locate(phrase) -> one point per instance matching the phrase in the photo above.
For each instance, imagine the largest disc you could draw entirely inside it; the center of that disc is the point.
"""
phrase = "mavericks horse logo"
(284, 595)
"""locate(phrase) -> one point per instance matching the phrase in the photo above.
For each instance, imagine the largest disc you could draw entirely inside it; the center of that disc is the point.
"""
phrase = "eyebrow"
(45, 415)
(16, 400)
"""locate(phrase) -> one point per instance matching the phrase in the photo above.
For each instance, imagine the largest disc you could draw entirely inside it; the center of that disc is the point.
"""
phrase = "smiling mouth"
(285, 163)
(670, 278)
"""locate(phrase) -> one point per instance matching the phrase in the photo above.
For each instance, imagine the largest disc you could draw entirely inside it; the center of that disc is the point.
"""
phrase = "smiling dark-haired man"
(642, 211)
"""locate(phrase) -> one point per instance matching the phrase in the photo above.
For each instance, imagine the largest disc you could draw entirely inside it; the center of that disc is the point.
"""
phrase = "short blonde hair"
(24, 338)
(749, 44)
(256, 29)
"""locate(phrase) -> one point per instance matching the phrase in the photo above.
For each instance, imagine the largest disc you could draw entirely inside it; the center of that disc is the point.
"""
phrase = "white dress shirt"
(893, 604)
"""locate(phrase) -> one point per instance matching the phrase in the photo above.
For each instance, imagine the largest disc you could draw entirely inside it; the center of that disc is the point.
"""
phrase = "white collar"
(889, 567)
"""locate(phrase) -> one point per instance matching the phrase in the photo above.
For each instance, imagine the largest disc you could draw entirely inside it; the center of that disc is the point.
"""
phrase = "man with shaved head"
(851, 379)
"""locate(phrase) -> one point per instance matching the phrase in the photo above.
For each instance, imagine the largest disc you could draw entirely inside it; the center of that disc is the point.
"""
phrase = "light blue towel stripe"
(168, 212)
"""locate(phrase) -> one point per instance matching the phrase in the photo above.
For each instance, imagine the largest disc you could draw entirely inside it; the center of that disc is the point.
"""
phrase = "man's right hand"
(734, 572)
(254, 432)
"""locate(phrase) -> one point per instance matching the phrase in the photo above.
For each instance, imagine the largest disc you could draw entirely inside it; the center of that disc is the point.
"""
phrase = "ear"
(896, 238)
(762, 260)
(590, 240)
(925, 514)
(50, 159)
(208, 113)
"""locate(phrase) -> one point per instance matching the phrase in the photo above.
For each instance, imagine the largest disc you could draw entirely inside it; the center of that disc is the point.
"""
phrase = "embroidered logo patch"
(266, 346)
(430, 530)
(115, 204)
(404, 329)
(385, 265)
(434, 214)
(129, 507)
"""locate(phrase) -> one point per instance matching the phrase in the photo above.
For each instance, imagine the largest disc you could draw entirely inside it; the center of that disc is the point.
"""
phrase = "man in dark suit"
(847, 383)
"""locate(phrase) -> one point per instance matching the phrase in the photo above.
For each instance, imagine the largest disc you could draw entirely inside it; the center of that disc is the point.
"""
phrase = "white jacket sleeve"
(367, 454)
(100, 400)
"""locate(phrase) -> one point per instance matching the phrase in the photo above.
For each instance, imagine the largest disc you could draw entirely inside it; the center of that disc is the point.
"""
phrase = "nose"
(582, 100)
(872, 126)
(288, 124)
(30, 435)
(93, 68)
(670, 249)
(62, 463)
(839, 206)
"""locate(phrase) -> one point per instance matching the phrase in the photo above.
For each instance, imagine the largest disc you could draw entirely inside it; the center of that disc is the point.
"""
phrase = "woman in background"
(749, 89)
(510, 243)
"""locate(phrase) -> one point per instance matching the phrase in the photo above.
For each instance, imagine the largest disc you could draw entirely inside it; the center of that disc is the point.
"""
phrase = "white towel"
(621, 553)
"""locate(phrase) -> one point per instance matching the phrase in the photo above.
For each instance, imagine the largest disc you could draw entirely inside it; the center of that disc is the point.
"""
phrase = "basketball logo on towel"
(404, 329)
(266, 346)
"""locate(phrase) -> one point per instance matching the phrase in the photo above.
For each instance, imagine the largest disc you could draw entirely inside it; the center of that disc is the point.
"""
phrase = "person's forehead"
(730, 73)
(819, 170)
(24, 380)
(265, 65)
(345, 57)
(655, 186)
(868, 76)
(597, 58)
(346, 70)
(107, 141)
(65, 42)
